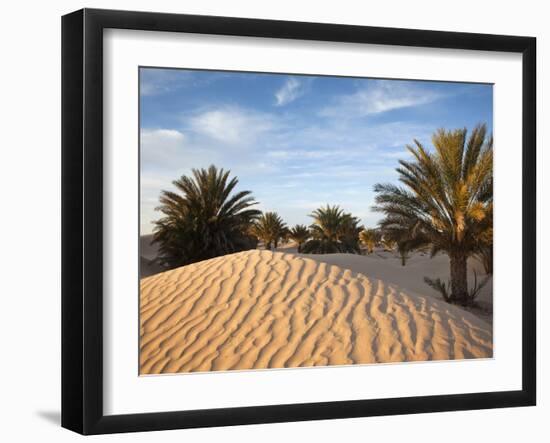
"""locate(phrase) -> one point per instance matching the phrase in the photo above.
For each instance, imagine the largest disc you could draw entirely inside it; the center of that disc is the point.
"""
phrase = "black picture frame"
(82, 219)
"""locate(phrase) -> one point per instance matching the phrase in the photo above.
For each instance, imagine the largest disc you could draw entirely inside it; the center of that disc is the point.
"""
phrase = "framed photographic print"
(269, 221)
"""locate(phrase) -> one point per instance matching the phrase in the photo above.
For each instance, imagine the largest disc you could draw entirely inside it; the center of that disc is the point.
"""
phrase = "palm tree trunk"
(459, 278)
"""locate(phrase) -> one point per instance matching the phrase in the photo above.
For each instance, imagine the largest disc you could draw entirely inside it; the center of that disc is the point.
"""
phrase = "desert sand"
(262, 309)
(387, 266)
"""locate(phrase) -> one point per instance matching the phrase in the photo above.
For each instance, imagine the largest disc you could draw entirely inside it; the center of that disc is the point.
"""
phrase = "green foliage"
(299, 234)
(403, 242)
(439, 286)
(270, 229)
(204, 218)
(446, 200)
(388, 244)
(369, 238)
(445, 289)
(333, 231)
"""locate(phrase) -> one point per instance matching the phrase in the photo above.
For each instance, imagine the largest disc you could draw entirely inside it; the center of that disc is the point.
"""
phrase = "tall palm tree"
(446, 200)
(270, 229)
(300, 234)
(332, 230)
(369, 238)
(204, 218)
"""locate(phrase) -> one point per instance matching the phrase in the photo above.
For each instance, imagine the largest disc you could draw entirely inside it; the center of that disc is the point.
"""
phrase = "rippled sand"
(263, 309)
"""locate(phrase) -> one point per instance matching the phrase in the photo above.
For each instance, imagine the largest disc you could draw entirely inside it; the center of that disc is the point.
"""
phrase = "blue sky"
(297, 142)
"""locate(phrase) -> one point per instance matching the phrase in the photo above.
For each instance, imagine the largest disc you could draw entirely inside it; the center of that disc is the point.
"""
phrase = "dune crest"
(263, 309)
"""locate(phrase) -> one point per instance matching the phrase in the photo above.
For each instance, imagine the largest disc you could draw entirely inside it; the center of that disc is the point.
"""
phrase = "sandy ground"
(262, 309)
(381, 265)
(387, 266)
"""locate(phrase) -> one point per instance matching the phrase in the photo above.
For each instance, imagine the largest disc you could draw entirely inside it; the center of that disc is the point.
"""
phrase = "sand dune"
(387, 266)
(259, 309)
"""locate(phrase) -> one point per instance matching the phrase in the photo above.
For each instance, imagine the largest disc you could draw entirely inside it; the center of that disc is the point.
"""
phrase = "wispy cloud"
(231, 124)
(292, 158)
(166, 135)
(162, 81)
(158, 82)
(160, 147)
(381, 96)
(402, 154)
(173, 150)
(292, 89)
(300, 154)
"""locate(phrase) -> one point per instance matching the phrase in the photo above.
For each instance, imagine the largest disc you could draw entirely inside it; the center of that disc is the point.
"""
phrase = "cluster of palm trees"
(204, 220)
(331, 231)
(444, 203)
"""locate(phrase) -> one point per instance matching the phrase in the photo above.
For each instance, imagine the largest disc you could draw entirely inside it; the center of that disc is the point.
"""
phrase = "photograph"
(293, 221)
(290, 217)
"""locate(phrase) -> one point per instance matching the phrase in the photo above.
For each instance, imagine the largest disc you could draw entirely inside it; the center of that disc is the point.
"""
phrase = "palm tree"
(388, 243)
(446, 200)
(403, 248)
(332, 230)
(204, 218)
(300, 234)
(349, 233)
(369, 238)
(401, 240)
(270, 228)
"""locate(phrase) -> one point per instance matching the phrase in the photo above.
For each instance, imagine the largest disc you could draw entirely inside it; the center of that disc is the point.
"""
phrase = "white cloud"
(166, 135)
(381, 96)
(156, 141)
(156, 81)
(150, 88)
(233, 125)
(290, 91)
(161, 147)
(168, 149)
(162, 81)
(402, 154)
(301, 154)
(344, 171)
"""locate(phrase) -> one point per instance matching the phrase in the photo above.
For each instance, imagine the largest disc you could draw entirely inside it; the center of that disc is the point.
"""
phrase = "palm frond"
(203, 218)
(445, 199)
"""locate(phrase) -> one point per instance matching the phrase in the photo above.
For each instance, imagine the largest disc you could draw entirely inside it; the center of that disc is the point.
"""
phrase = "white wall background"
(30, 218)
